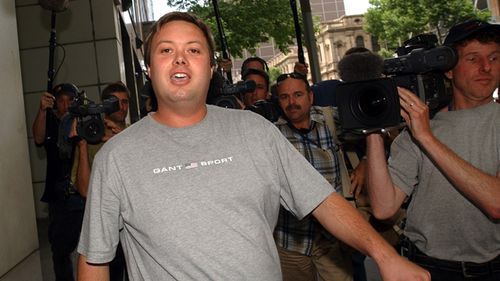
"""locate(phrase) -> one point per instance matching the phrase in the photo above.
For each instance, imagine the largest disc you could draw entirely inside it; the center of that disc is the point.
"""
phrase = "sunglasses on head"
(293, 75)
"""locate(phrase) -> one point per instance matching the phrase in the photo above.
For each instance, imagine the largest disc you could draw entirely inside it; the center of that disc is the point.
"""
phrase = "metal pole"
(310, 41)
(52, 47)
(298, 33)
(222, 37)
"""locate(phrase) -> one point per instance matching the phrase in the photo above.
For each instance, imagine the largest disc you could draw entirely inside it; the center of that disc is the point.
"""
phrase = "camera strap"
(345, 178)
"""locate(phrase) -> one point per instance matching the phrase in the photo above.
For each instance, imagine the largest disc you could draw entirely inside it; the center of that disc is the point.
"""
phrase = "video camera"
(374, 104)
(222, 93)
(268, 109)
(90, 124)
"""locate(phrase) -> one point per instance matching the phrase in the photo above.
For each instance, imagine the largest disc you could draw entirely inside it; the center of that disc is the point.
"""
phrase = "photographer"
(261, 91)
(449, 165)
(254, 63)
(65, 216)
(114, 123)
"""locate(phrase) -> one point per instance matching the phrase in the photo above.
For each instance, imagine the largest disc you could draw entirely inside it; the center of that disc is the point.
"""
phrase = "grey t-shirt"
(441, 221)
(197, 203)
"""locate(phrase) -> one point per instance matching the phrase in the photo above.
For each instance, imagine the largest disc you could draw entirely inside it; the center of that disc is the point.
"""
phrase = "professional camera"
(90, 125)
(224, 94)
(267, 109)
(419, 67)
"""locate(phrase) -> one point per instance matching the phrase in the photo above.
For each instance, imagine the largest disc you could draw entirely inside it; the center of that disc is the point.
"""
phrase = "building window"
(360, 41)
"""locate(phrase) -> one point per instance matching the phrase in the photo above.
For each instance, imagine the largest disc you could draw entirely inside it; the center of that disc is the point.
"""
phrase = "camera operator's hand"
(224, 64)
(358, 177)
(112, 128)
(73, 131)
(47, 101)
(416, 114)
(302, 68)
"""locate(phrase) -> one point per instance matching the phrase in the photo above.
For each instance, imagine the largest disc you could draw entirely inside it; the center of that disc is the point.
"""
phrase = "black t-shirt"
(58, 168)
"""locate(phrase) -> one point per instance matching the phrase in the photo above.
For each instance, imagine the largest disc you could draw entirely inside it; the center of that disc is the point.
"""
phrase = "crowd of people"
(194, 191)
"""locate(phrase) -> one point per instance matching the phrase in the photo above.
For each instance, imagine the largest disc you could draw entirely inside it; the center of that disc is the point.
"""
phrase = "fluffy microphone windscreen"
(54, 5)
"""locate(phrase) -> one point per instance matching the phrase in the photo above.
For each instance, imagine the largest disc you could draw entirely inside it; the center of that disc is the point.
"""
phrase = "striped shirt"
(319, 148)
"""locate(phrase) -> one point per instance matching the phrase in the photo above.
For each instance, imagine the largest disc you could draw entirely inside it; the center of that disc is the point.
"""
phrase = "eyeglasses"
(293, 75)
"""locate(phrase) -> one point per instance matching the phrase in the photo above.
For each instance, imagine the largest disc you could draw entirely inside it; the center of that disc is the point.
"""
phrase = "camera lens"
(227, 102)
(372, 102)
(91, 129)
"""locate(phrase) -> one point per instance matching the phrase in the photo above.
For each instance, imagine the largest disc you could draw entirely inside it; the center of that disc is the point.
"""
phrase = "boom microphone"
(360, 66)
(54, 5)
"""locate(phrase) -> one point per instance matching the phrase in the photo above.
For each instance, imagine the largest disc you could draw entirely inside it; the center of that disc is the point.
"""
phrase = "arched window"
(360, 41)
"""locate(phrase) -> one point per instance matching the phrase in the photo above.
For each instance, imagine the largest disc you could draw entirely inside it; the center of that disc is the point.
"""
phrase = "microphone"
(360, 66)
(54, 5)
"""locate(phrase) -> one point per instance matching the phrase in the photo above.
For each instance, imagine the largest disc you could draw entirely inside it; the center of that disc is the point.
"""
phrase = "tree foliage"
(246, 23)
(394, 21)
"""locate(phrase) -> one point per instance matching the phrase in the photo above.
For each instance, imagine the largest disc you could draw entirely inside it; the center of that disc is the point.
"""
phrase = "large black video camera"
(420, 66)
(90, 124)
(222, 93)
(268, 109)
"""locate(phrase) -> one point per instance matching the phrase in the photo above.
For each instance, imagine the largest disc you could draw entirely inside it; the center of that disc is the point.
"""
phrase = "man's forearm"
(345, 223)
(479, 187)
(92, 272)
(385, 198)
(83, 171)
(39, 126)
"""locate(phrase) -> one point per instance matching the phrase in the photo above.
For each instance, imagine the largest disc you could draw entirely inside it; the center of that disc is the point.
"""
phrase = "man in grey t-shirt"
(450, 166)
(197, 188)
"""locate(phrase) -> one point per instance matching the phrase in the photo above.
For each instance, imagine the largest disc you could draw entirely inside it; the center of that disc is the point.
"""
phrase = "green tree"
(394, 21)
(274, 72)
(246, 23)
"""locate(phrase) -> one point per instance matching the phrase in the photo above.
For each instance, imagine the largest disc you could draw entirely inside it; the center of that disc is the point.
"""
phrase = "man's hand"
(358, 177)
(398, 268)
(225, 64)
(112, 129)
(416, 114)
(302, 68)
(47, 101)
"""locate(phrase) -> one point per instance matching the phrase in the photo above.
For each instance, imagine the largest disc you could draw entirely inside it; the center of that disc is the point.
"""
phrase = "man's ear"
(449, 74)
(311, 93)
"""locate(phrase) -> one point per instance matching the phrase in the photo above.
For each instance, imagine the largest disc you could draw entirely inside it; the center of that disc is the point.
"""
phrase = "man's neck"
(459, 103)
(301, 126)
(180, 117)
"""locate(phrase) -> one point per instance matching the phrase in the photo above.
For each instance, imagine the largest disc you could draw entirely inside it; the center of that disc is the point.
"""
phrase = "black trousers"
(65, 224)
(444, 270)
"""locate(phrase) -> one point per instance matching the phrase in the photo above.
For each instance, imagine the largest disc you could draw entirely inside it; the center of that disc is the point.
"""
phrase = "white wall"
(18, 234)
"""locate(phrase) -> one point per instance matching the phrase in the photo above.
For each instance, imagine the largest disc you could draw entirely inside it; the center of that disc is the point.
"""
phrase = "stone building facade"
(333, 39)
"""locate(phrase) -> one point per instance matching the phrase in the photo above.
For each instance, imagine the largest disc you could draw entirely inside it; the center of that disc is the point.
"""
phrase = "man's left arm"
(345, 223)
(479, 187)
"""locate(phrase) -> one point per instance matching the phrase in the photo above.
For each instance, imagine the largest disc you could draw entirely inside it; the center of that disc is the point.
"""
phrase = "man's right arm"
(385, 197)
(92, 272)
(82, 169)
(46, 102)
